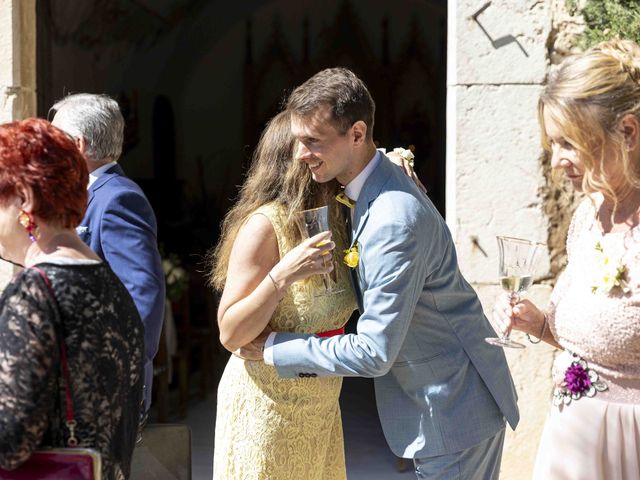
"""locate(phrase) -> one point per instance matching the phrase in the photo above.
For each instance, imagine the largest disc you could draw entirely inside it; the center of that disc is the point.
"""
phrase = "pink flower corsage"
(579, 381)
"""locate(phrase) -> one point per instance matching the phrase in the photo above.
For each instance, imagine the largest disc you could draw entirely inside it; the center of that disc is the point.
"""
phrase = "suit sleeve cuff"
(268, 349)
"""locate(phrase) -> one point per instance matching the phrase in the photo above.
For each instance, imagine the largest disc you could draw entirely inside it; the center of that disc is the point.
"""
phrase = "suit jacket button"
(314, 374)
(301, 375)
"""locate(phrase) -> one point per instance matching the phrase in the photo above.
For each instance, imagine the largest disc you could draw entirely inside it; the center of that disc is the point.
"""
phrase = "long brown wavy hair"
(274, 176)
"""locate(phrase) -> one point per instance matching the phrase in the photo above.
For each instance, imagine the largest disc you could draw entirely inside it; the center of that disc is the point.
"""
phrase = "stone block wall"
(498, 56)
(17, 71)
(17, 59)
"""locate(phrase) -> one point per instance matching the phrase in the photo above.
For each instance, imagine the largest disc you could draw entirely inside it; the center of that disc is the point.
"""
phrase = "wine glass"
(516, 275)
(311, 222)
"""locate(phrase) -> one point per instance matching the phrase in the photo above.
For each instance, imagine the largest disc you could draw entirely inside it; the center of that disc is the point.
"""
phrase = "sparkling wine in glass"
(311, 222)
(516, 257)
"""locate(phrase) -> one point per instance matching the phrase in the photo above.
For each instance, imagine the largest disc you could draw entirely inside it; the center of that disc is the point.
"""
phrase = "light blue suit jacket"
(120, 226)
(440, 388)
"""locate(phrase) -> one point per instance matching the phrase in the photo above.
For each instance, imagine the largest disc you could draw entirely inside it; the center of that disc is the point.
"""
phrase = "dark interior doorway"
(198, 79)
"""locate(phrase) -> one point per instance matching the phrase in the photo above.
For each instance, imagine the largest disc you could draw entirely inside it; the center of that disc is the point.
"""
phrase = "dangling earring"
(29, 225)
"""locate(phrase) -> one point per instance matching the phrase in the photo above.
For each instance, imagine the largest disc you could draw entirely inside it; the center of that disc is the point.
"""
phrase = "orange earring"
(29, 225)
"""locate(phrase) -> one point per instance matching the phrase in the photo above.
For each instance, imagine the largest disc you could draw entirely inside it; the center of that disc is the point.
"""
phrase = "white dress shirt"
(354, 187)
(93, 176)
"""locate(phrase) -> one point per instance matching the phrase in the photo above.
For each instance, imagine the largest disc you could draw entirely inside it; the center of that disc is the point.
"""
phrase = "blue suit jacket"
(440, 388)
(120, 227)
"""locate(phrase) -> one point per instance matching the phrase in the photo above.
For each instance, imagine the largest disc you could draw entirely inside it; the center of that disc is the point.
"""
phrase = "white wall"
(495, 176)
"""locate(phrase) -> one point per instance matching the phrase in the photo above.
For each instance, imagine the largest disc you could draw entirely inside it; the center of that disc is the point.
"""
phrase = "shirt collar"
(93, 176)
(354, 187)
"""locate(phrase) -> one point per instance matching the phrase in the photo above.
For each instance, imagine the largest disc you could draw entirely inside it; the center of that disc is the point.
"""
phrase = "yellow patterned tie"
(343, 199)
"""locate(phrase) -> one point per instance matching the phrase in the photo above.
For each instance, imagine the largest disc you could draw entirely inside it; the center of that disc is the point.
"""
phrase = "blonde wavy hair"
(587, 96)
(273, 177)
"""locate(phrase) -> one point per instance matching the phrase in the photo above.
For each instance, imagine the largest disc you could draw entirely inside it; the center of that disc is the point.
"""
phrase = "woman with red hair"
(65, 303)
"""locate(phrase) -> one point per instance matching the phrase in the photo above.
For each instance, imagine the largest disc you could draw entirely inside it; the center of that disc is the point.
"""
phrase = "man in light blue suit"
(443, 394)
(119, 224)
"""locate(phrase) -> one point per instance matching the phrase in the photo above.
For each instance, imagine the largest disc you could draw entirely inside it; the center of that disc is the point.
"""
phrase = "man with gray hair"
(119, 224)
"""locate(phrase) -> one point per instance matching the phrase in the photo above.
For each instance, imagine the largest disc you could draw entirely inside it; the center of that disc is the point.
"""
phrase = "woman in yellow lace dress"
(268, 427)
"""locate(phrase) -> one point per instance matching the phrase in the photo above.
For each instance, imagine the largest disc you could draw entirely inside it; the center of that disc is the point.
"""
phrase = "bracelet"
(544, 328)
(275, 285)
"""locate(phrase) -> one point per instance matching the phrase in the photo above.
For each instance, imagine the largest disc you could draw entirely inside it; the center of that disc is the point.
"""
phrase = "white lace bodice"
(603, 328)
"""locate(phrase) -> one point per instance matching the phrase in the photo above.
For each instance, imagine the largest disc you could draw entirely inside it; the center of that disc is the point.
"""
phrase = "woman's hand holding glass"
(305, 260)
(523, 316)
(310, 222)
(516, 265)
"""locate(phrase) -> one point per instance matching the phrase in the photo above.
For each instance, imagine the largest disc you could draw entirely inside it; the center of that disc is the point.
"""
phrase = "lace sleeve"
(29, 358)
(579, 222)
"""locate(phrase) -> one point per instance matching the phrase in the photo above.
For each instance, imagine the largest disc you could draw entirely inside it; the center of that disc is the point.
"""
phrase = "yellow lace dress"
(270, 428)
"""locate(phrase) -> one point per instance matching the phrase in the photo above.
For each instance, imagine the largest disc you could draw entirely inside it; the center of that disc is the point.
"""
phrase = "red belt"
(331, 333)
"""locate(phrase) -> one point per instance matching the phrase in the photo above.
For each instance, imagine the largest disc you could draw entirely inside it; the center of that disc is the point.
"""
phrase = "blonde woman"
(267, 427)
(590, 119)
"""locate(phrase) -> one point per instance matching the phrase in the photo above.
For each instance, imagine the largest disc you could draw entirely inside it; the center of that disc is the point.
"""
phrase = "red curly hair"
(41, 157)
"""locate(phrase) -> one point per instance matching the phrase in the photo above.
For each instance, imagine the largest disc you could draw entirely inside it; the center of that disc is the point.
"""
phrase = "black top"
(104, 339)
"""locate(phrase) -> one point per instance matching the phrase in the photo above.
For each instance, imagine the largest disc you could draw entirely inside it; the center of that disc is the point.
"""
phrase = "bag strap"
(70, 422)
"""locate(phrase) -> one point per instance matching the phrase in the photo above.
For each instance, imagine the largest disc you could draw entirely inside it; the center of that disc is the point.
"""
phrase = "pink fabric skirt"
(592, 439)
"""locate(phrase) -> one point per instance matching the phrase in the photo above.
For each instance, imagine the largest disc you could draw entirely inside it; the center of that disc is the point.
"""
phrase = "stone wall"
(17, 71)
(17, 59)
(497, 176)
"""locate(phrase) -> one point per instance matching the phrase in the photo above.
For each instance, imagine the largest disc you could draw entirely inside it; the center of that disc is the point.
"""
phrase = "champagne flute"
(311, 222)
(516, 276)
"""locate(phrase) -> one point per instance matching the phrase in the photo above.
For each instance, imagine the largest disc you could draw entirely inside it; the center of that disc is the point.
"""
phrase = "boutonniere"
(352, 256)
(611, 273)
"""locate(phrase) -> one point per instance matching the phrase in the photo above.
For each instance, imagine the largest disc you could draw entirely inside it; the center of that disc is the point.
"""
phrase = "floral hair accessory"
(612, 274)
(406, 154)
(352, 256)
(579, 381)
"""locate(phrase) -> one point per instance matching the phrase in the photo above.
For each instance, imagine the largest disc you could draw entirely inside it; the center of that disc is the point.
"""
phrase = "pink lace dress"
(593, 429)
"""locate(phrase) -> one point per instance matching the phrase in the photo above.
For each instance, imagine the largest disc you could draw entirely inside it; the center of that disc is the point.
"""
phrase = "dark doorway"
(220, 70)
(198, 79)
